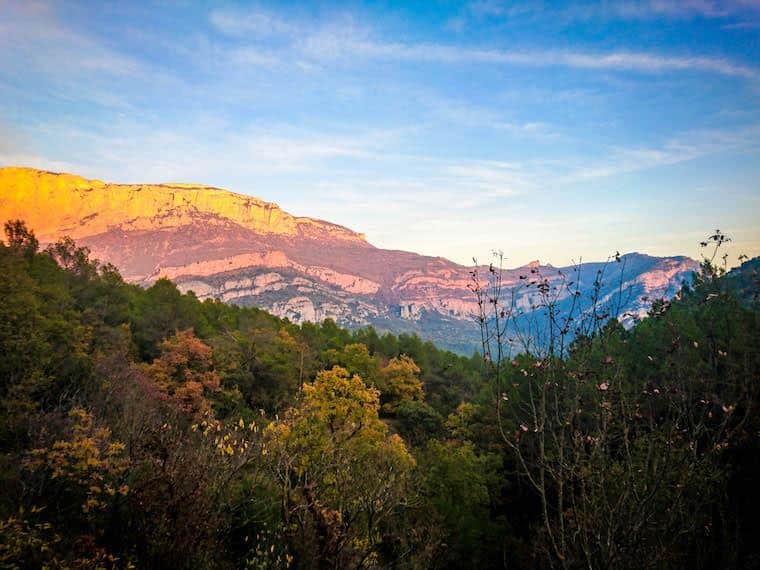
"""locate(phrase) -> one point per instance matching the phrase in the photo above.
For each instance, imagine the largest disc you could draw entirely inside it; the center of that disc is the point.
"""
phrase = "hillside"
(250, 252)
(143, 428)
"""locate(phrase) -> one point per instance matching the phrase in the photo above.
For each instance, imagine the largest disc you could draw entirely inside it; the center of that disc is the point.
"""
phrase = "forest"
(143, 428)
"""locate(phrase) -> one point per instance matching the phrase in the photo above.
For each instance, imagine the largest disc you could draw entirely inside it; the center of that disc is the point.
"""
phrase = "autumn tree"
(184, 373)
(402, 383)
(80, 478)
(357, 359)
(343, 475)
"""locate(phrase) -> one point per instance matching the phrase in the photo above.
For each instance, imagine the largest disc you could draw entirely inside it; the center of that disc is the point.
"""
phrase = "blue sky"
(549, 130)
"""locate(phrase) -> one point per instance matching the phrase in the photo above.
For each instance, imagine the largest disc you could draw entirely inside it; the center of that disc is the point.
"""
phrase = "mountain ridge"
(244, 250)
(34, 187)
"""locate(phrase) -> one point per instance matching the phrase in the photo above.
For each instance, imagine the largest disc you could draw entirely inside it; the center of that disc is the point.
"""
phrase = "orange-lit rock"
(64, 204)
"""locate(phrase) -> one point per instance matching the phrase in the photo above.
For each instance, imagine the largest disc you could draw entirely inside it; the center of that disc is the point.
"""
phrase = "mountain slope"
(244, 250)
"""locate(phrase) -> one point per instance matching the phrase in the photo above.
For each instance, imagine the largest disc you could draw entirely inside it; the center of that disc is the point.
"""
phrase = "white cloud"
(32, 38)
(651, 62)
(683, 8)
(683, 148)
(617, 9)
(249, 23)
(322, 46)
(253, 56)
(485, 180)
(203, 150)
(449, 111)
(344, 38)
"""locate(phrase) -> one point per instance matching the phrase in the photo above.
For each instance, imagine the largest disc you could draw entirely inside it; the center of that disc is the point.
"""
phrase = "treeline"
(145, 428)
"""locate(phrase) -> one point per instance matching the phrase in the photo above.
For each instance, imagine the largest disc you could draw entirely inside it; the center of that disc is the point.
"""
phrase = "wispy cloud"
(734, 14)
(320, 46)
(619, 9)
(344, 38)
(742, 25)
(33, 38)
(465, 114)
(204, 149)
(251, 22)
(489, 179)
(682, 8)
(253, 56)
(682, 148)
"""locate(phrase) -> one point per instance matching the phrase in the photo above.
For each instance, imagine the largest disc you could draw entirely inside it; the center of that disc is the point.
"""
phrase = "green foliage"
(144, 427)
(458, 484)
(161, 311)
(417, 422)
(628, 443)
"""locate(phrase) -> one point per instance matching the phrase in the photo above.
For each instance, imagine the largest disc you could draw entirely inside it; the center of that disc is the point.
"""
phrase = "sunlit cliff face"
(65, 204)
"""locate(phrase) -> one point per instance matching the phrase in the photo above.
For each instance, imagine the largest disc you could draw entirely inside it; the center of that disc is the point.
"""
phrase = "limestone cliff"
(55, 204)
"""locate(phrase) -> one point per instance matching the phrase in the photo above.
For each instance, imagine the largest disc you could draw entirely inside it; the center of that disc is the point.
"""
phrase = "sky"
(555, 130)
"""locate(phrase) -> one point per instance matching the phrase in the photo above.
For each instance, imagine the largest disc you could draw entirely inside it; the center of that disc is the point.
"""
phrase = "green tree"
(457, 484)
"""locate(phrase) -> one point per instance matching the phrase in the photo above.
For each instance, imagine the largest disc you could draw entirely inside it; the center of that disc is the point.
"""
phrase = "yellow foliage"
(85, 461)
(458, 422)
(346, 468)
(402, 383)
(336, 437)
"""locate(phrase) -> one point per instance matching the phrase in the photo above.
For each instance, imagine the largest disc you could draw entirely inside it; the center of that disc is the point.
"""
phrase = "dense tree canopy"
(145, 428)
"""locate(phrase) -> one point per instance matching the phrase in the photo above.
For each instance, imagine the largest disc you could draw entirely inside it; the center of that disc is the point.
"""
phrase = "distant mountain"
(243, 250)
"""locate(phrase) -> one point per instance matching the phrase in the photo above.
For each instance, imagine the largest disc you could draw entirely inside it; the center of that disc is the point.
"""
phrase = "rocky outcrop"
(55, 203)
